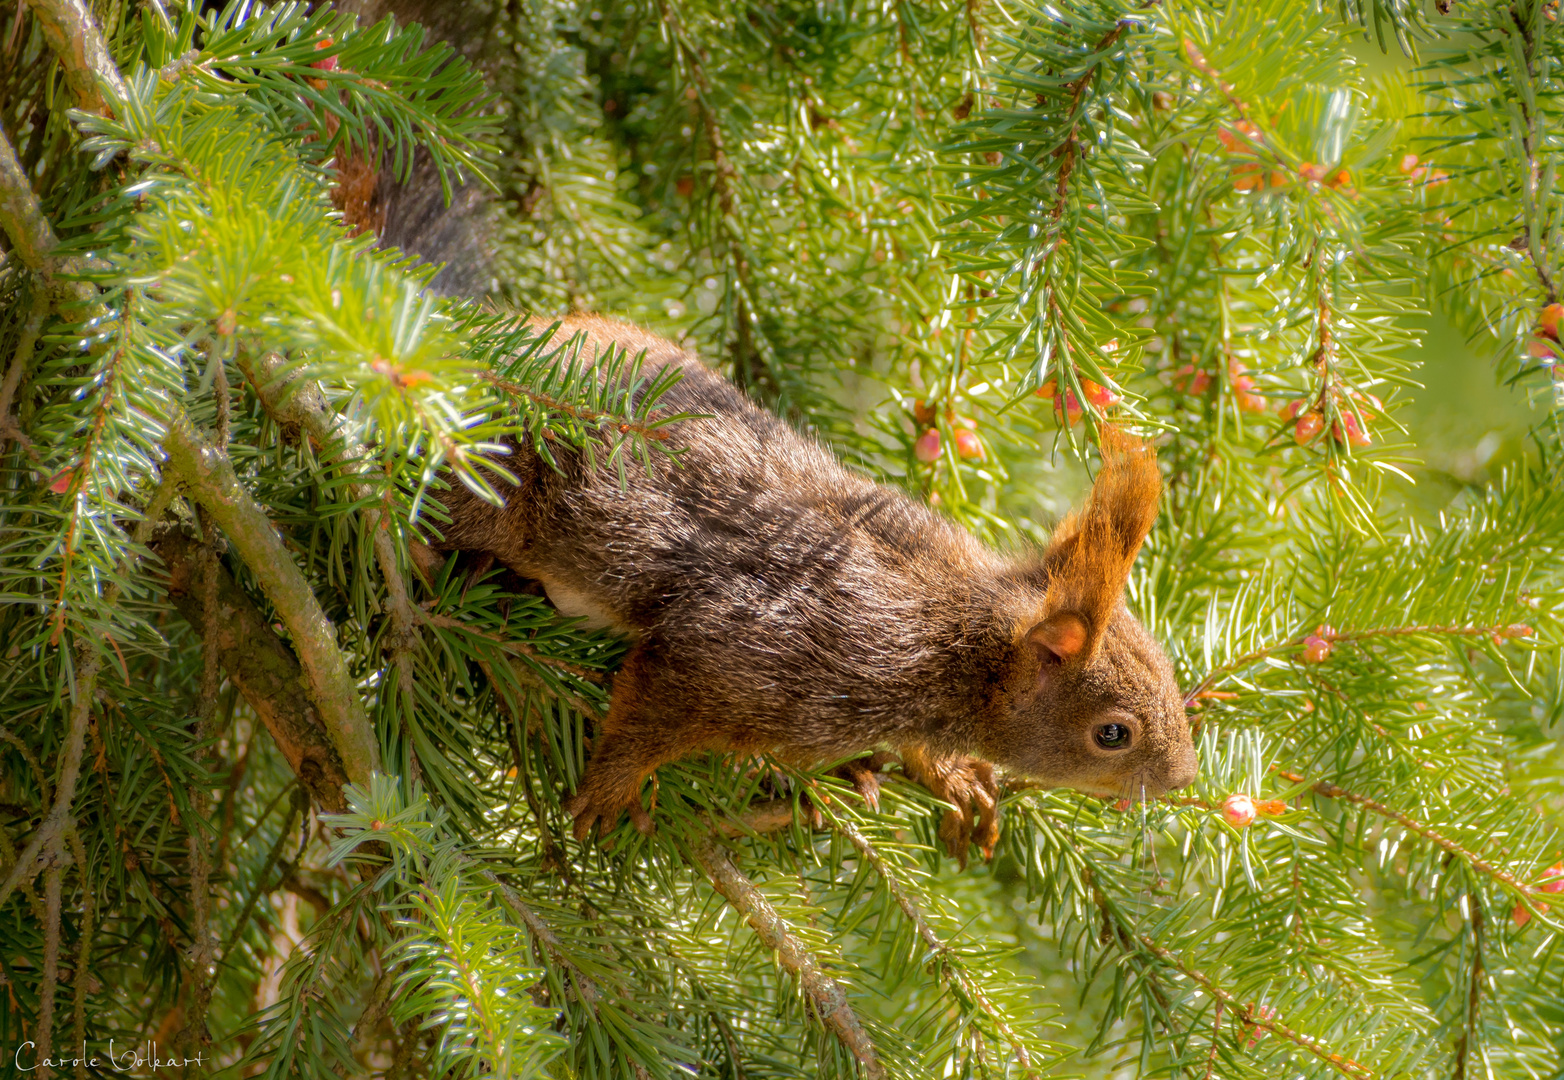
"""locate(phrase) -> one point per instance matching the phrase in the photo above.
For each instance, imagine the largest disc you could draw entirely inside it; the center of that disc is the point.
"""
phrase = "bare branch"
(46, 842)
(80, 976)
(51, 963)
(26, 342)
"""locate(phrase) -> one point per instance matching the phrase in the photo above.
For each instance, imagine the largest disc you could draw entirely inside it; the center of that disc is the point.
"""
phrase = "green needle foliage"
(281, 787)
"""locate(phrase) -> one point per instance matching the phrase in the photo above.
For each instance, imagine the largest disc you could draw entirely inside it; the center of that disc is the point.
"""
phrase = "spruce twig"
(1411, 824)
(1293, 644)
(830, 1000)
(951, 967)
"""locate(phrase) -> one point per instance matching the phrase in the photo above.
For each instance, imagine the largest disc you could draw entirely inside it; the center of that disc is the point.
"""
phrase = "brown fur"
(779, 603)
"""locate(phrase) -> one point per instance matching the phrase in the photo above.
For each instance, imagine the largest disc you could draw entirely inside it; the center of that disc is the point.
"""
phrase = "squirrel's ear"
(1059, 638)
(1090, 556)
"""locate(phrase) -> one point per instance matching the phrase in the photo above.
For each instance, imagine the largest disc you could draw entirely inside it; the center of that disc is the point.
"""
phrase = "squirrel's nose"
(1185, 767)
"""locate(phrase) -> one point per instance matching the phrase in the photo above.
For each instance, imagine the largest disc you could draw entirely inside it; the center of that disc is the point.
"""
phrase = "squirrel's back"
(816, 582)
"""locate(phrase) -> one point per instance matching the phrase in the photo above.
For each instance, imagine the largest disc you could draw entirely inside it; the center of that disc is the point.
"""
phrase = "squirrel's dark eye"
(1113, 736)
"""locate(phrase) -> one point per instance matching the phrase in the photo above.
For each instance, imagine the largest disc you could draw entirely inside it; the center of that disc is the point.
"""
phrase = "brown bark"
(262, 668)
(209, 477)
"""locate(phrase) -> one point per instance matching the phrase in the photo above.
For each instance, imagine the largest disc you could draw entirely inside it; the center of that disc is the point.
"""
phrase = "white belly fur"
(577, 605)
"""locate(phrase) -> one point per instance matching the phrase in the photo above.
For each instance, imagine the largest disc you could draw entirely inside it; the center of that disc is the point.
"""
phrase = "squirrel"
(778, 603)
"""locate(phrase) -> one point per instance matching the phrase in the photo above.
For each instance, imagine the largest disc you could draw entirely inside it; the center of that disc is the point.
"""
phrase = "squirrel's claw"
(588, 811)
(971, 789)
(864, 775)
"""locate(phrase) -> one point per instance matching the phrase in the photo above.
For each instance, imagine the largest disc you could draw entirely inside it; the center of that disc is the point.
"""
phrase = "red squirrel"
(778, 603)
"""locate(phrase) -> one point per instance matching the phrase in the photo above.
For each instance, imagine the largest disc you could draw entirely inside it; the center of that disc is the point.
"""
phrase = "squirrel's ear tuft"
(1090, 556)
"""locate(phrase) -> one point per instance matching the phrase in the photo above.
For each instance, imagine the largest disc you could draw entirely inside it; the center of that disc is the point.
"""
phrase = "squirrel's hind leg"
(630, 746)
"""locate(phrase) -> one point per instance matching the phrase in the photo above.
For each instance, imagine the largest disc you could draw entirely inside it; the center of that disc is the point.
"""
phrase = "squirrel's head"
(1090, 701)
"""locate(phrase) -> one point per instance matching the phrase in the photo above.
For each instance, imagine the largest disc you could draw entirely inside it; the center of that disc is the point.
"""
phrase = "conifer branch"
(576, 412)
(951, 967)
(1530, 136)
(299, 401)
(1332, 791)
(1204, 687)
(1070, 146)
(586, 989)
(1130, 940)
(830, 1000)
(723, 177)
(74, 36)
(211, 480)
(1255, 1017)
(511, 645)
(46, 842)
(261, 667)
(59, 822)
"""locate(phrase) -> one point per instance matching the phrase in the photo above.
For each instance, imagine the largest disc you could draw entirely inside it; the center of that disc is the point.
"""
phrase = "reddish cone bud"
(968, 445)
(1554, 879)
(62, 483)
(1100, 396)
(1049, 389)
(1068, 407)
(1315, 649)
(329, 63)
(1351, 430)
(927, 448)
(1264, 1012)
(1238, 811)
(1308, 428)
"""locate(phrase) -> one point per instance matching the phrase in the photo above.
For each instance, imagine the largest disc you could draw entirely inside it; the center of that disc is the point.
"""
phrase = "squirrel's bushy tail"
(413, 214)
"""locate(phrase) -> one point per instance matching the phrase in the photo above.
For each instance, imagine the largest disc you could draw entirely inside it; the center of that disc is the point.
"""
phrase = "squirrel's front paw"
(588, 807)
(970, 787)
